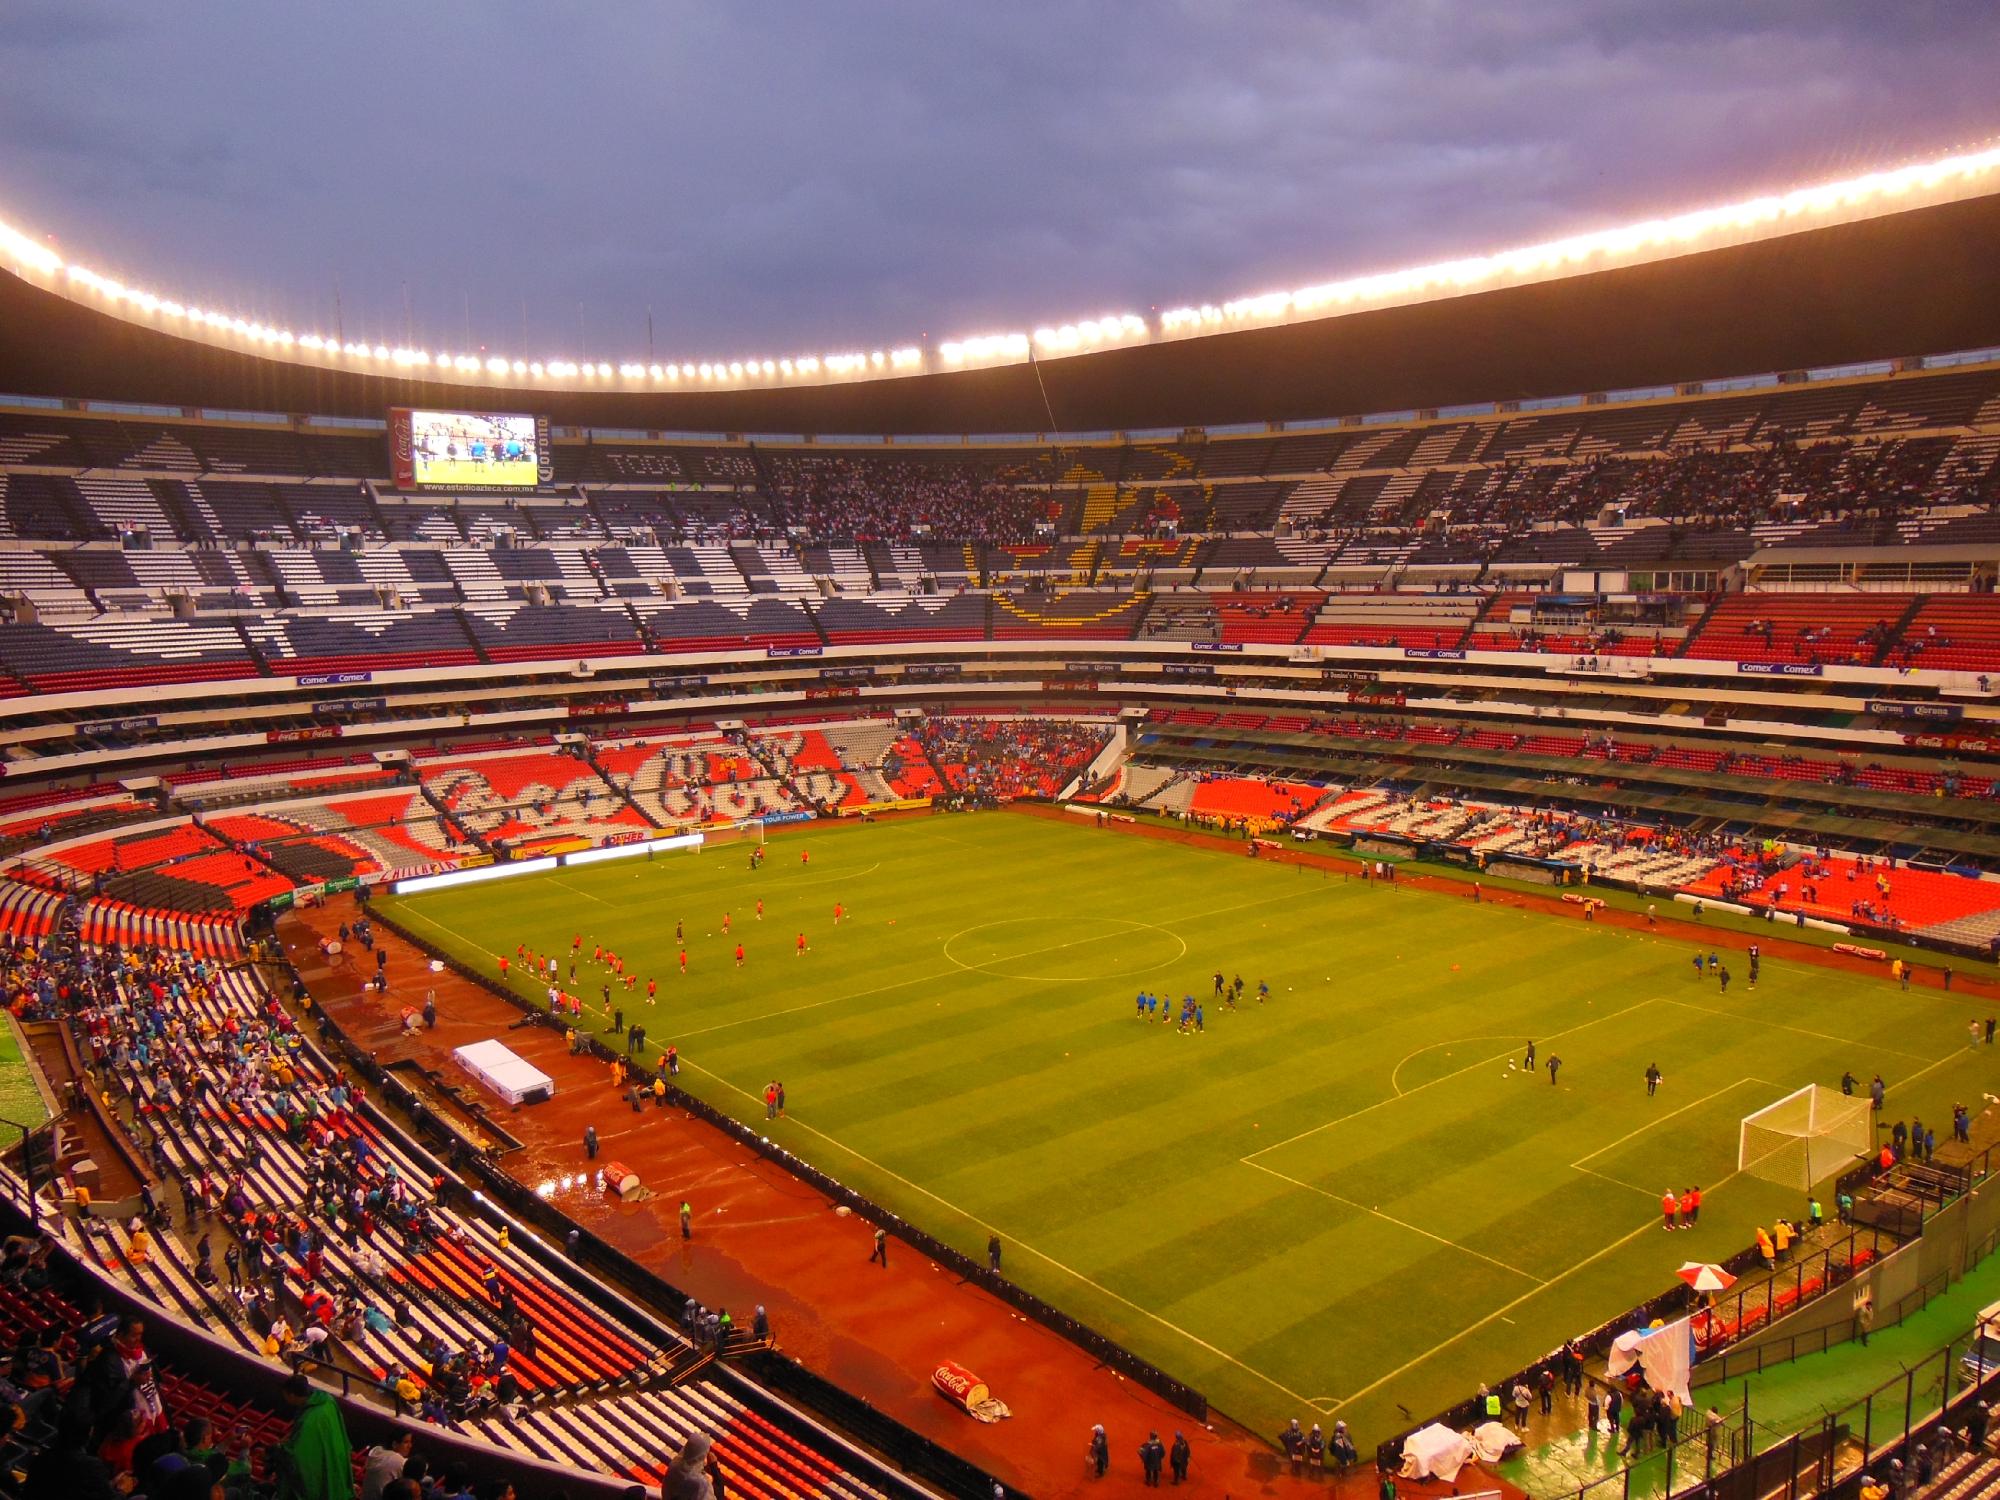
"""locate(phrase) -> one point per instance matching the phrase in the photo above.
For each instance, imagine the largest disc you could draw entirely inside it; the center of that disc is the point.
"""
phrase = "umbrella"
(1705, 1278)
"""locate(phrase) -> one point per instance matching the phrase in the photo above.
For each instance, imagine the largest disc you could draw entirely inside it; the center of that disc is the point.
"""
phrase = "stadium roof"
(1891, 282)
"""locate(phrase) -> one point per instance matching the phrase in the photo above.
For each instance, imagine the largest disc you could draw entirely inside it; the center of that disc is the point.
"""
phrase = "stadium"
(1237, 876)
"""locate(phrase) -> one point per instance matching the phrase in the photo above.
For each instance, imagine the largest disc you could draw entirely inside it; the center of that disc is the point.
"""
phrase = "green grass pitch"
(1349, 1202)
(20, 1101)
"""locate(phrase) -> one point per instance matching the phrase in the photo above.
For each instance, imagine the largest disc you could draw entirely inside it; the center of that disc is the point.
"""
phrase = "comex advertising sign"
(1780, 668)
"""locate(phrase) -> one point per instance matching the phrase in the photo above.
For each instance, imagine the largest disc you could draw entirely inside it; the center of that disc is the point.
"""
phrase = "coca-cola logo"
(955, 1381)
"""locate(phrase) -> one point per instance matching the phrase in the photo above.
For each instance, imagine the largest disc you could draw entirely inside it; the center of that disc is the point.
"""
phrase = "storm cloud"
(802, 176)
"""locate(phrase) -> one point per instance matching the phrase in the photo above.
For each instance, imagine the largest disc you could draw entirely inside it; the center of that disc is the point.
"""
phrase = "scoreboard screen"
(468, 450)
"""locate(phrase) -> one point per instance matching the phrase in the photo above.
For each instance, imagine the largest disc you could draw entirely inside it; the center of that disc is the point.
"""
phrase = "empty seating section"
(772, 570)
(708, 570)
(225, 511)
(35, 577)
(295, 848)
(268, 780)
(885, 619)
(360, 641)
(849, 764)
(529, 796)
(64, 820)
(1845, 629)
(1954, 632)
(224, 881)
(123, 506)
(325, 512)
(710, 625)
(400, 830)
(77, 656)
(1420, 622)
(1253, 801)
(26, 911)
(807, 763)
(132, 851)
(1181, 617)
(321, 578)
(1083, 614)
(526, 632)
(703, 777)
(1271, 619)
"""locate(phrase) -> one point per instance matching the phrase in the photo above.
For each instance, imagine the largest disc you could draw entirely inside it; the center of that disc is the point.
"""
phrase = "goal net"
(1805, 1137)
(724, 835)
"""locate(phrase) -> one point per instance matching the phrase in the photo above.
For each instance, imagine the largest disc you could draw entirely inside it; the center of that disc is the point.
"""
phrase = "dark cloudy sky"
(779, 176)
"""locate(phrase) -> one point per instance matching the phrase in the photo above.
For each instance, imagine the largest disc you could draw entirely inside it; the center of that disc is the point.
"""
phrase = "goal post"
(1806, 1137)
(723, 835)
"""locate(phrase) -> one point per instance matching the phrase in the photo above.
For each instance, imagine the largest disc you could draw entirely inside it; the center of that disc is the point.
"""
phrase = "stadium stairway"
(176, 501)
(623, 790)
(1693, 632)
(1897, 626)
(463, 832)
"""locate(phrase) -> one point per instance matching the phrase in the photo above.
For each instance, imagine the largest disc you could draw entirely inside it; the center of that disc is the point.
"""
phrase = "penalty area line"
(1441, 1078)
(1647, 1193)
(1499, 1314)
(577, 890)
(1399, 1223)
(1659, 1120)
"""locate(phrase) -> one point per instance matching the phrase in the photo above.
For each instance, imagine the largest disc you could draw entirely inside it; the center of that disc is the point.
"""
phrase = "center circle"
(1064, 950)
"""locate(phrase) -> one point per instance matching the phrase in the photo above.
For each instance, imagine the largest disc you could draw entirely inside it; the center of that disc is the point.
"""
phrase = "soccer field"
(1349, 1202)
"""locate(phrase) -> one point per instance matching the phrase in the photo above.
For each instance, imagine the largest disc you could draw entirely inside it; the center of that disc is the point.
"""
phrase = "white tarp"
(1493, 1441)
(509, 1075)
(1665, 1354)
(1435, 1452)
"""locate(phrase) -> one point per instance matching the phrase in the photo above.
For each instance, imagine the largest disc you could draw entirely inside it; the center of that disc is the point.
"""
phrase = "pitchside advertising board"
(482, 450)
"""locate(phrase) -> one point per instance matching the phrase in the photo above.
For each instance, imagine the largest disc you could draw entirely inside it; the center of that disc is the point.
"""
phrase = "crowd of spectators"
(83, 1398)
(1716, 489)
(901, 500)
(995, 760)
(151, 1033)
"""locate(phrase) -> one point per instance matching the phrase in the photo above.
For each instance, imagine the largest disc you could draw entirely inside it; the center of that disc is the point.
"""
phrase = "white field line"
(1483, 1062)
(1823, 1036)
(1075, 1275)
(960, 968)
(1659, 1120)
(1500, 1313)
(1400, 1223)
